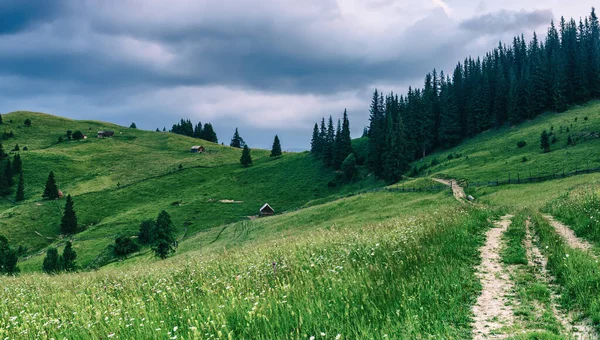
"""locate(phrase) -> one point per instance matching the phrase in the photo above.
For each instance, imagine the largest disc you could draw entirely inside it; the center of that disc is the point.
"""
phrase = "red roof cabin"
(266, 210)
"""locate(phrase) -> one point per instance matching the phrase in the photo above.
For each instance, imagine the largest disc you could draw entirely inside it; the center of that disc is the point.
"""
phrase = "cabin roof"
(265, 206)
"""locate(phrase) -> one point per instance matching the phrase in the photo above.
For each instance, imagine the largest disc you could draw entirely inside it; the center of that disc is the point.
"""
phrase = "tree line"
(509, 85)
(332, 145)
(186, 128)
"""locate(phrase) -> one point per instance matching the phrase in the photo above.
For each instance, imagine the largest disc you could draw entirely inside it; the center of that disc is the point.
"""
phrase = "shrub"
(77, 135)
(450, 157)
(524, 159)
(27, 122)
(585, 118)
(125, 245)
(521, 144)
(435, 162)
(554, 140)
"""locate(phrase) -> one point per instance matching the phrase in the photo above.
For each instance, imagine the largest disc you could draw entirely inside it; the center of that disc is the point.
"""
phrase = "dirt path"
(575, 330)
(569, 235)
(457, 190)
(492, 310)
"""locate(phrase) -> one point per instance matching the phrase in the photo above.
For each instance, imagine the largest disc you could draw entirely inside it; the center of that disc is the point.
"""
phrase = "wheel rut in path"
(569, 236)
(574, 329)
(457, 190)
(493, 310)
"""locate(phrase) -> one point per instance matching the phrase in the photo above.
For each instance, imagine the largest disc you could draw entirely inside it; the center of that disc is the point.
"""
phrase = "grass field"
(338, 261)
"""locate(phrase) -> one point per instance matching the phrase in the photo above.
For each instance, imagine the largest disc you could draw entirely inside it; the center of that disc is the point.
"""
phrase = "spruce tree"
(164, 243)
(69, 257)
(51, 189)
(3, 154)
(209, 134)
(20, 189)
(329, 144)
(545, 141)
(51, 264)
(4, 187)
(346, 139)
(8, 172)
(338, 152)
(68, 224)
(315, 147)
(276, 149)
(8, 258)
(146, 234)
(1, 120)
(236, 140)
(246, 159)
(133, 126)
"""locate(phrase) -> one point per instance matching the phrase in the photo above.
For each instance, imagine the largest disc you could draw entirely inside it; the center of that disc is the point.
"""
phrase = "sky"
(264, 66)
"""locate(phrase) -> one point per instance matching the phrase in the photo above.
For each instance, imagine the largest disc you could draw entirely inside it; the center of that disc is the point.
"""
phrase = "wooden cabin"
(197, 149)
(266, 210)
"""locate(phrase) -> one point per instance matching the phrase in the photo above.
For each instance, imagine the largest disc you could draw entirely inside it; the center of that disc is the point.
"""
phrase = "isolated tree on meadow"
(246, 159)
(68, 258)
(20, 189)
(164, 236)
(8, 173)
(68, 224)
(8, 258)
(51, 189)
(17, 164)
(276, 149)
(132, 126)
(51, 264)
(545, 142)
(236, 140)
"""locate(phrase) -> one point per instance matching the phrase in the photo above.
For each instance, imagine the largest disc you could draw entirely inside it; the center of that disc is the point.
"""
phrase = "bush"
(28, 122)
(554, 140)
(585, 118)
(521, 144)
(125, 245)
(77, 135)
(524, 159)
(435, 162)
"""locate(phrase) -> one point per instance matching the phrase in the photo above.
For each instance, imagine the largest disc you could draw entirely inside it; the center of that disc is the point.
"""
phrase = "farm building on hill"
(102, 134)
(266, 210)
(197, 149)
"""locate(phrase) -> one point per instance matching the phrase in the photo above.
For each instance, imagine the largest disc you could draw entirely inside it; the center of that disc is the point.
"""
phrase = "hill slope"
(118, 182)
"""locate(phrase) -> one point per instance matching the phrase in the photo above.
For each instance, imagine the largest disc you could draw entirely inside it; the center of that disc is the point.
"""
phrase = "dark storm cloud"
(507, 21)
(17, 15)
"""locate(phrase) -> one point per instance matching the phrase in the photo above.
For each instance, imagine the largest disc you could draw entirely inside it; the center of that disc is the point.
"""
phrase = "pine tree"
(1, 120)
(3, 154)
(237, 141)
(51, 190)
(146, 234)
(51, 264)
(68, 224)
(4, 187)
(376, 134)
(20, 189)
(276, 149)
(133, 126)
(164, 243)
(69, 257)
(545, 142)
(315, 145)
(8, 258)
(8, 172)
(329, 144)
(209, 134)
(246, 159)
(338, 152)
(346, 139)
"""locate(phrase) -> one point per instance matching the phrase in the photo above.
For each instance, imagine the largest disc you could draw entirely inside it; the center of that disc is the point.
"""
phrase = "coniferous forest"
(510, 84)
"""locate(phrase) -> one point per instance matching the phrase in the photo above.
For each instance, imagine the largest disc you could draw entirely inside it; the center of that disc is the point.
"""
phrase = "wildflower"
(111, 335)
(566, 255)
(322, 334)
(311, 338)
(175, 329)
(338, 337)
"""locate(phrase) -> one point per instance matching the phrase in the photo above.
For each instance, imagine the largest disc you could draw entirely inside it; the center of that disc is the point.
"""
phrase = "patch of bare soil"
(569, 235)
(575, 330)
(492, 310)
(457, 190)
(230, 201)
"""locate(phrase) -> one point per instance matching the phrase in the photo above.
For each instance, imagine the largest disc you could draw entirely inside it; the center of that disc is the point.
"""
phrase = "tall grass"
(577, 273)
(403, 278)
(581, 211)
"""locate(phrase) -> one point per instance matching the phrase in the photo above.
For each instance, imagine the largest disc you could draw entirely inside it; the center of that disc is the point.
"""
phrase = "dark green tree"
(68, 224)
(51, 189)
(246, 159)
(51, 264)
(20, 189)
(276, 149)
(78, 135)
(545, 141)
(16, 148)
(164, 243)
(125, 245)
(236, 140)
(3, 154)
(8, 258)
(69, 134)
(27, 122)
(1, 120)
(8, 172)
(315, 142)
(349, 167)
(68, 259)
(4, 186)
(146, 234)
(133, 126)
(209, 134)
(329, 144)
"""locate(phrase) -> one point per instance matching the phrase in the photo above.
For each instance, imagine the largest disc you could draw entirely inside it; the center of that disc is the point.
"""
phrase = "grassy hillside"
(493, 154)
(118, 182)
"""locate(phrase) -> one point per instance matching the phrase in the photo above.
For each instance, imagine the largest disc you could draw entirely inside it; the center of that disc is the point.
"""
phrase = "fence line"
(531, 179)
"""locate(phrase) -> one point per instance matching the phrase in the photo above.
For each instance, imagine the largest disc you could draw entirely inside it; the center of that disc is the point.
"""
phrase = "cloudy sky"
(265, 66)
